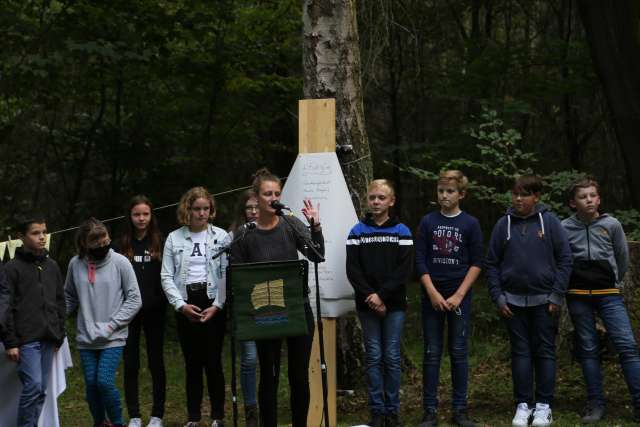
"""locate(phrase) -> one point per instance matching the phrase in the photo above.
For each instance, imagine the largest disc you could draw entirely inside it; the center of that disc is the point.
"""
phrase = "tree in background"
(331, 60)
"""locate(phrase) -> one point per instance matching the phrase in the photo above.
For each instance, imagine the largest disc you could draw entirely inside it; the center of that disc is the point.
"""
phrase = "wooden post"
(317, 134)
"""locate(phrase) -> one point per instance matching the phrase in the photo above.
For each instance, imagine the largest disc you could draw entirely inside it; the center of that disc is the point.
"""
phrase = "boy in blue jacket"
(600, 259)
(528, 268)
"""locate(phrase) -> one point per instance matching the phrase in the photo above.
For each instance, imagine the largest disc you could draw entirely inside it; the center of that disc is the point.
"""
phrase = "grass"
(490, 392)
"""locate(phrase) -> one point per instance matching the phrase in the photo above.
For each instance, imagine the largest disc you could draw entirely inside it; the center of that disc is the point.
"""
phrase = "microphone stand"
(234, 386)
(309, 243)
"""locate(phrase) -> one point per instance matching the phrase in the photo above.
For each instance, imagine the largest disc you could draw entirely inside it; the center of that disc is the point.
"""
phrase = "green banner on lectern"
(268, 299)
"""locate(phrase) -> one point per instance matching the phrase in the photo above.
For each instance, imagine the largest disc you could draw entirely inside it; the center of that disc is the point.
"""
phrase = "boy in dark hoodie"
(528, 268)
(34, 326)
(600, 259)
(379, 263)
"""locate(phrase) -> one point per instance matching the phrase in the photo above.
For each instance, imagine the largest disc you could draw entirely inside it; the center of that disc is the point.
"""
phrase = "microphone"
(275, 204)
(248, 226)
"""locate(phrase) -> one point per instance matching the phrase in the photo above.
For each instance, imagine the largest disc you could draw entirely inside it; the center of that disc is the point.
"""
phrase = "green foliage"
(630, 220)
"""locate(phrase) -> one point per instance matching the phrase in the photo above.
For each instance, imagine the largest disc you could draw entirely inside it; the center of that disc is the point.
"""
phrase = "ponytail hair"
(263, 175)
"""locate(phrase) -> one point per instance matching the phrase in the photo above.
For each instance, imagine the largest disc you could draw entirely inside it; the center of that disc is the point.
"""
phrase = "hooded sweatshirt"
(600, 255)
(529, 259)
(380, 260)
(36, 309)
(106, 300)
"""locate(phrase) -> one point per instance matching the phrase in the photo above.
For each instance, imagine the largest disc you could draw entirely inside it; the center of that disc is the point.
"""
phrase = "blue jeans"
(458, 330)
(99, 368)
(532, 334)
(613, 313)
(33, 370)
(382, 335)
(248, 364)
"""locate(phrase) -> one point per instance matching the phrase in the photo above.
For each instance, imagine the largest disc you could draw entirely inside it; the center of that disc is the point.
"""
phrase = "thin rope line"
(222, 193)
(356, 160)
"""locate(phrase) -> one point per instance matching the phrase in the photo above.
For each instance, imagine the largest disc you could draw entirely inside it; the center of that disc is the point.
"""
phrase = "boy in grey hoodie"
(101, 285)
(600, 259)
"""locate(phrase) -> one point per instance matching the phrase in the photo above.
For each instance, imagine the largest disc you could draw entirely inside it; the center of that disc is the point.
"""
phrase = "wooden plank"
(314, 418)
(316, 125)
(317, 134)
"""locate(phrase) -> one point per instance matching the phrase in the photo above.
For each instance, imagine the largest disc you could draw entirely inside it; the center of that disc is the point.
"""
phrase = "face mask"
(98, 253)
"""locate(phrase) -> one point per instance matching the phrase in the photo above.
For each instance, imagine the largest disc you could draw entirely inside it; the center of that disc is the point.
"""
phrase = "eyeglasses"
(251, 208)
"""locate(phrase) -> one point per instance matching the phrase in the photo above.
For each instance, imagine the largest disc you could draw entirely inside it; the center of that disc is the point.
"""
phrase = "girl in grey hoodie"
(101, 286)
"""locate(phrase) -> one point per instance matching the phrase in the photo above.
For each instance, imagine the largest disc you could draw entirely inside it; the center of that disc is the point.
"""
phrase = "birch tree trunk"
(331, 64)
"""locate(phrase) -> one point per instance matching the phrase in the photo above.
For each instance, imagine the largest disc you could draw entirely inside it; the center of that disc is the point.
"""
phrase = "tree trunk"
(612, 28)
(331, 61)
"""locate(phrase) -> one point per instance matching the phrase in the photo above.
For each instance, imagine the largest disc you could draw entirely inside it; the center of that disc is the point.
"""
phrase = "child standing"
(247, 211)
(35, 317)
(4, 297)
(142, 245)
(448, 262)
(101, 285)
(600, 259)
(379, 263)
(528, 268)
(195, 285)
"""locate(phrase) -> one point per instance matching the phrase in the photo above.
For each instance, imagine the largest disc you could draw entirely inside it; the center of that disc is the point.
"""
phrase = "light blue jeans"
(613, 313)
(248, 364)
(382, 337)
(33, 370)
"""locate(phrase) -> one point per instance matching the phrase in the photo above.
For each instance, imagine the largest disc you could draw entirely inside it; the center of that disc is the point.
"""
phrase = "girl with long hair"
(247, 211)
(141, 243)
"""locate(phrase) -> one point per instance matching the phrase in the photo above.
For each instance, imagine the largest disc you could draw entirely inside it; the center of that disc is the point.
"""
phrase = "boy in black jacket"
(4, 297)
(34, 325)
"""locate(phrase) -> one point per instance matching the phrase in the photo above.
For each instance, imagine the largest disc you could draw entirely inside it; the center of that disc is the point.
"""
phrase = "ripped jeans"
(433, 330)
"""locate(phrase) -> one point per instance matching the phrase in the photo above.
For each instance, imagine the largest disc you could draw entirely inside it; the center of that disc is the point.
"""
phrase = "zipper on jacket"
(588, 243)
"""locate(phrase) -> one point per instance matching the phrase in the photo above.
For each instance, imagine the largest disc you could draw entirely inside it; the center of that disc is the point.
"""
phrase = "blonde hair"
(186, 201)
(377, 183)
(456, 177)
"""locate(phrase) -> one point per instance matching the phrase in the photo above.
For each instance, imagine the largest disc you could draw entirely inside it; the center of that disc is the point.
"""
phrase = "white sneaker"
(542, 415)
(135, 422)
(521, 418)
(155, 422)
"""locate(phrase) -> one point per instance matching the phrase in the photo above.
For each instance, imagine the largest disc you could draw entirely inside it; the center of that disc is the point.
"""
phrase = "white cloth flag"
(11, 388)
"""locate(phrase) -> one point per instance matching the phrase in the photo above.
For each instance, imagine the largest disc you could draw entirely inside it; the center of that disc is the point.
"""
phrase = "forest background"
(103, 100)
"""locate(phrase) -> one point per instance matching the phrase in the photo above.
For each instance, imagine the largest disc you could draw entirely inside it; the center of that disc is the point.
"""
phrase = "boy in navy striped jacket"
(379, 263)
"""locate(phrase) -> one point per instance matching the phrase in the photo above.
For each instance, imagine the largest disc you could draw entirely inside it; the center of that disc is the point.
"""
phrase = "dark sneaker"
(461, 418)
(393, 420)
(376, 420)
(430, 418)
(251, 416)
(592, 413)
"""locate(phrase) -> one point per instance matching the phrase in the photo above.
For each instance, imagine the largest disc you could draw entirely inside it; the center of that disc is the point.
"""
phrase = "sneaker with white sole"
(135, 422)
(155, 422)
(542, 415)
(522, 416)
